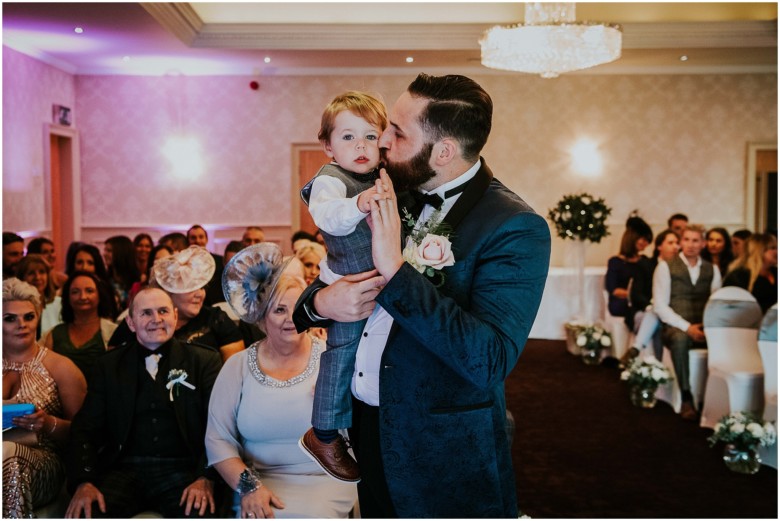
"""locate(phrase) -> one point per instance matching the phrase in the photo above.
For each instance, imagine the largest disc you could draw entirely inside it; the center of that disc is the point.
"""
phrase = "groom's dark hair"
(459, 108)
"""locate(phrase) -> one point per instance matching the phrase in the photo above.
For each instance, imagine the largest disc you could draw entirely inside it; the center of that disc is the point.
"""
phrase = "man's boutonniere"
(428, 248)
(177, 377)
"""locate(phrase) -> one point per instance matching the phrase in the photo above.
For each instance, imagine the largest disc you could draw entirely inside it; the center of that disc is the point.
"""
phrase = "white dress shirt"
(662, 290)
(365, 379)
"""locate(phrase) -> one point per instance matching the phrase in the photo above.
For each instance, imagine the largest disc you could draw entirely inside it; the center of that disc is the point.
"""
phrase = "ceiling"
(285, 38)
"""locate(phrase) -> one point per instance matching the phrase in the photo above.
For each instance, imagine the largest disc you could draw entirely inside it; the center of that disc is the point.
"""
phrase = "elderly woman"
(35, 270)
(32, 471)
(86, 321)
(184, 276)
(262, 400)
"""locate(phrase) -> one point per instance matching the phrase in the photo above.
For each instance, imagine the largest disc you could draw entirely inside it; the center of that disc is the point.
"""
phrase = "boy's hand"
(371, 194)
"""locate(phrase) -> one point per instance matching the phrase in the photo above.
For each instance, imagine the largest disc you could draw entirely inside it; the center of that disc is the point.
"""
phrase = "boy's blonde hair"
(359, 103)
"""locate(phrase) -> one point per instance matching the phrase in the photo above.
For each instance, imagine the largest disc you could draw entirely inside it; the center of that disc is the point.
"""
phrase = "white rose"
(605, 341)
(434, 251)
(718, 426)
(596, 334)
(581, 340)
(658, 374)
(755, 429)
(737, 428)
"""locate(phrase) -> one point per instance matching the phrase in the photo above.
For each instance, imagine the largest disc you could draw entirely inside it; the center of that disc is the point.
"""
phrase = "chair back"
(767, 345)
(732, 318)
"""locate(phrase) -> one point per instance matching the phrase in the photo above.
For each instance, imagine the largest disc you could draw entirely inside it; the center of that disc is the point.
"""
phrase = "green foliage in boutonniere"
(176, 378)
(428, 248)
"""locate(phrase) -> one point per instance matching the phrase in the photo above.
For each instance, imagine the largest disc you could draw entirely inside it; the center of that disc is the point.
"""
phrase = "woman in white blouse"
(262, 400)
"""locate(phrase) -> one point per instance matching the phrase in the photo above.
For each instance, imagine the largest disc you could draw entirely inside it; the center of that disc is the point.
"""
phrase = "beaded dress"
(33, 473)
(260, 419)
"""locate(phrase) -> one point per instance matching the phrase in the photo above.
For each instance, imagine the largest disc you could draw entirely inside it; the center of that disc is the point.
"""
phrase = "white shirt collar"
(466, 176)
(685, 260)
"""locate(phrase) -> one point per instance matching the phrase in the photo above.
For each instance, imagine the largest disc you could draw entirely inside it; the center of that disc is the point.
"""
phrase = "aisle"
(581, 450)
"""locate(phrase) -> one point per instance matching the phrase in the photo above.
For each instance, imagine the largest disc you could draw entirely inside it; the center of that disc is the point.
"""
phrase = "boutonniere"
(177, 377)
(428, 248)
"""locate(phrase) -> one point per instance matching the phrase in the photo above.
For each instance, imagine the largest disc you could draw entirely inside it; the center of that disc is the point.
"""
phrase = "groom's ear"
(445, 151)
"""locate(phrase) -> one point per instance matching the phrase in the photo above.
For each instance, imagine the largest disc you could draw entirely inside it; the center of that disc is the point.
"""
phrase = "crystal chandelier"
(550, 42)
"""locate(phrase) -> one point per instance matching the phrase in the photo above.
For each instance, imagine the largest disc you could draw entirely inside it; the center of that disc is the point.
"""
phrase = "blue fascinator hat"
(250, 278)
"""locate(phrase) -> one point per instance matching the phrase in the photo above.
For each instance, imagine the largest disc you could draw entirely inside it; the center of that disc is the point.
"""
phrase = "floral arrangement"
(580, 217)
(177, 378)
(590, 337)
(428, 248)
(743, 430)
(648, 373)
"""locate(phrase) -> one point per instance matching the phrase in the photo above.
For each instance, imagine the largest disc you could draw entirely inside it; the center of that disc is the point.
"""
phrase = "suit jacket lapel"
(471, 195)
(179, 361)
(127, 389)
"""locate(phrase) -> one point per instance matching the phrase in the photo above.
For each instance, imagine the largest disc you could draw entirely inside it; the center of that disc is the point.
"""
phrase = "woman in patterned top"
(33, 473)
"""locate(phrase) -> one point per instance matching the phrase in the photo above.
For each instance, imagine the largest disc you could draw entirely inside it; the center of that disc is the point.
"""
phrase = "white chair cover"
(621, 335)
(767, 346)
(736, 376)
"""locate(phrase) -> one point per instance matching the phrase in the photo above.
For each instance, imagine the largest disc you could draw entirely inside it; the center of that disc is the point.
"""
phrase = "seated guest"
(252, 235)
(622, 268)
(13, 251)
(176, 241)
(717, 249)
(34, 270)
(183, 276)
(677, 223)
(122, 266)
(32, 471)
(86, 322)
(142, 244)
(197, 236)
(640, 317)
(85, 257)
(137, 443)
(311, 254)
(738, 239)
(262, 401)
(300, 238)
(45, 247)
(681, 288)
(756, 269)
(232, 248)
(158, 252)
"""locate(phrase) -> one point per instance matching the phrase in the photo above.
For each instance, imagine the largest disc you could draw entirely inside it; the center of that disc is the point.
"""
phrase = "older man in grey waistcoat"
(681, 289)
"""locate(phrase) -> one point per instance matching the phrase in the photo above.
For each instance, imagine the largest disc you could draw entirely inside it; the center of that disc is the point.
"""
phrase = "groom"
(429, 408)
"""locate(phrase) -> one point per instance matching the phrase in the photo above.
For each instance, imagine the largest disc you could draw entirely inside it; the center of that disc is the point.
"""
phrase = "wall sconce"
(185, 156)
(586, 158)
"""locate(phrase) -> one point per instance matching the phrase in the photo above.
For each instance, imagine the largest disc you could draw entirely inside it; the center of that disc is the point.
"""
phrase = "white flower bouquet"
(744, 430)
(590, 337)
(648, 373)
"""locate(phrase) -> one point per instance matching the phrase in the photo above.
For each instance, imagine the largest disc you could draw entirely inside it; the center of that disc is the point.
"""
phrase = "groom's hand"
(350, 298)
(385, 227)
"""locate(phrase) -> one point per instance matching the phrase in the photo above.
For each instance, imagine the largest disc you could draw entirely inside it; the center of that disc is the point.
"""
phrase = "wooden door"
(310, 159)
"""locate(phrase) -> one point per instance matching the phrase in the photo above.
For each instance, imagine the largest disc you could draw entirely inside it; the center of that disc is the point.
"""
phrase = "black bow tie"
(435, 200)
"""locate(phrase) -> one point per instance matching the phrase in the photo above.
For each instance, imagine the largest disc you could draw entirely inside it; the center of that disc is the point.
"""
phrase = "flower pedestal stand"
(643, 397)
(744, 461)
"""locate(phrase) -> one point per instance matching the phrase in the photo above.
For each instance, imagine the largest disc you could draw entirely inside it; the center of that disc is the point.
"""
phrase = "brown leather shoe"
(332, 457)
(628, 357)
(687, 412)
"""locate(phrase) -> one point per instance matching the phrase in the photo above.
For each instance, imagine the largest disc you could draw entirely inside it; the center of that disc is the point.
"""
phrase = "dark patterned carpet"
(581, 450)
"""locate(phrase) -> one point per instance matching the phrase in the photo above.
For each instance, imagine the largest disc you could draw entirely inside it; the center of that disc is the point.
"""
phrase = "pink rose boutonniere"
(428, 248)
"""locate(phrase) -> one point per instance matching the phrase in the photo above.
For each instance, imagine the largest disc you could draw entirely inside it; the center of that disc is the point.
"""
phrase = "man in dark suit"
(429, 409)
(137, 442)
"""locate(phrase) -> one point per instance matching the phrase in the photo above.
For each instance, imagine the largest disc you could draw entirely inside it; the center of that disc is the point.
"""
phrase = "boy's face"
(354, 143)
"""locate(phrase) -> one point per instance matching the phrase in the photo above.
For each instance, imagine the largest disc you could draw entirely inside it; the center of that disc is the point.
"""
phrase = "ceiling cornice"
(181, 20)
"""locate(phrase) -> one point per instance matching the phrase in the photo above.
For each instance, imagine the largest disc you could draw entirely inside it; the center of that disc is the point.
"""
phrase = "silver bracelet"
(248, 482)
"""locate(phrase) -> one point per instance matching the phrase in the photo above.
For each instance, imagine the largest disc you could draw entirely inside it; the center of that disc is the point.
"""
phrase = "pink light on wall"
(185, 156)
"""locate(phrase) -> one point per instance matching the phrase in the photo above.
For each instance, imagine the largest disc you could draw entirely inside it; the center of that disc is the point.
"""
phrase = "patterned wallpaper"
(30, 88)
(668, 143)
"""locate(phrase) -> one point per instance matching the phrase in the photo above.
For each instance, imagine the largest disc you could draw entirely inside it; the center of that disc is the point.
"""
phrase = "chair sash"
(732, 313)
(768, 330)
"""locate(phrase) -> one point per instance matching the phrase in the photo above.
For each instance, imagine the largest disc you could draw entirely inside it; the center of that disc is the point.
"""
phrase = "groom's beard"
(410, 173)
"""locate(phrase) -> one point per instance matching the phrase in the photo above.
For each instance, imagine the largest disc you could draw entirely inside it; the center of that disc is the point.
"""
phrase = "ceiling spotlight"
(684, 58)
(409, 59)
(78, 30)
(267, 59)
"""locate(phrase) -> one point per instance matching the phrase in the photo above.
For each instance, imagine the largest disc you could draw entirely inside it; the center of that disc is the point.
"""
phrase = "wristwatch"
(248, 481)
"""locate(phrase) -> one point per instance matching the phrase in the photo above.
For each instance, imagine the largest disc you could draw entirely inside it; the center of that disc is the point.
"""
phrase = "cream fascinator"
(250, 278)
(185, 271)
